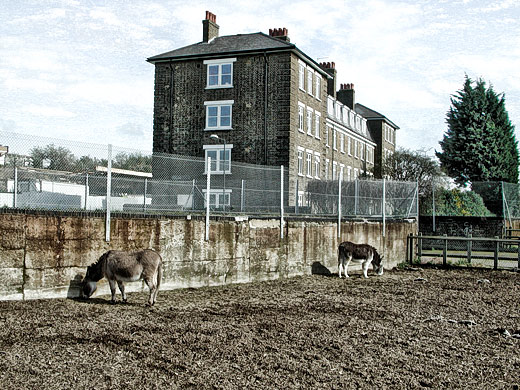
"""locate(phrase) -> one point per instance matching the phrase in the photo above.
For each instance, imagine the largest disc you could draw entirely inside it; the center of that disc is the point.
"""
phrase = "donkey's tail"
(159, 275)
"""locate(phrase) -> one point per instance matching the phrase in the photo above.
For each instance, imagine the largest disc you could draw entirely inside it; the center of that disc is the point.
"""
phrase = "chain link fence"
(52, 174)
(482, 199)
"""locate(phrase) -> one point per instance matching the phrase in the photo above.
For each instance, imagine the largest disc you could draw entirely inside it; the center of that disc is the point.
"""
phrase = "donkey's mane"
(97, 268)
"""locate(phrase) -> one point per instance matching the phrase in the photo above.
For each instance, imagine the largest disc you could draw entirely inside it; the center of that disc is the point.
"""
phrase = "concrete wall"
(45, 256)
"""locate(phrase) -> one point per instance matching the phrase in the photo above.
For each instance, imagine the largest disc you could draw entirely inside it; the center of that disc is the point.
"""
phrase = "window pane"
(225, 121)
(226, 68)
(212, 116)
(212, 122)
(213, 75)
(226, 79)
(225, 116)
(224, 160)
(225, 110)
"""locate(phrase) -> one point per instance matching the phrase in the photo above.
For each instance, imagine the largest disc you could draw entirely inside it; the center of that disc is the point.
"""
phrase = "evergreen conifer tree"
(480, 143)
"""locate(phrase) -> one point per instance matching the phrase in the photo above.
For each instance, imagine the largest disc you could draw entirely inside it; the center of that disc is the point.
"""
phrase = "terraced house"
(271, 103)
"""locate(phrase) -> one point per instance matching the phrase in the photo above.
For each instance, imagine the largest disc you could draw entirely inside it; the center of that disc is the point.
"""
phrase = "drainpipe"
(266, 69)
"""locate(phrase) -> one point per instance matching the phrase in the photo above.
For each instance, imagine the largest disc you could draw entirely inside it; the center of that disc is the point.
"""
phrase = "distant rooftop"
(368, 113)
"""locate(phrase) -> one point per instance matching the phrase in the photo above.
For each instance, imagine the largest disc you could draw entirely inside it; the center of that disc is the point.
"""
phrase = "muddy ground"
(412, 328)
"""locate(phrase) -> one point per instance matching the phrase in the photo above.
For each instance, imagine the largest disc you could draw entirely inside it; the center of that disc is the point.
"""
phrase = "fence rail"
(496, 252)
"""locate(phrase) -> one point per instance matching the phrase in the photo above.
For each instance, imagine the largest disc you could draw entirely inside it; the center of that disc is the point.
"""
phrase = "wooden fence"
(482, 251)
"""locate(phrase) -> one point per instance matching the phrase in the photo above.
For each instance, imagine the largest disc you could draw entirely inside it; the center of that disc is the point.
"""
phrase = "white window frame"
(361, 151)
(300, 198)
(318, 87)
(356, 173)
(219, 63)
(317, 161)
(216, 195)
(349, 146)
(301, 75)
(310, 111)
(356, 150)
(310, 84)
(309, 162)
(218, 163)
(301, 117)
(341, 171)
(349, 173)
(334, 139)
(327, 162)
(219, 104)
(330, 106)
(337, 110)
(317, 119)
(334, 169)
(327, 135)
(342, 142)
(300, 160)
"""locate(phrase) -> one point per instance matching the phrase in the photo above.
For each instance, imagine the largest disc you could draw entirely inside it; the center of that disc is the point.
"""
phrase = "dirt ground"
(411, 328)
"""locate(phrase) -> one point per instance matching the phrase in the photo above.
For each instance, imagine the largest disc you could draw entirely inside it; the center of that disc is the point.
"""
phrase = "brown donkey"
(121, 266)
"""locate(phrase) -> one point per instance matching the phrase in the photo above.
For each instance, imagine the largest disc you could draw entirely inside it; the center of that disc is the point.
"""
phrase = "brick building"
(270, 102)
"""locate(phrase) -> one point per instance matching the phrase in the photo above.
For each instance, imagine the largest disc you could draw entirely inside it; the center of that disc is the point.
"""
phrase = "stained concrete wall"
(45, 256)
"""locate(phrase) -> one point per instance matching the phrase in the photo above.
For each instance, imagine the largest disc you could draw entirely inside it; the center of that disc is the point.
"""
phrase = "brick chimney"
(280, 33)
(347, 95)
(330, 68)
(209, 27)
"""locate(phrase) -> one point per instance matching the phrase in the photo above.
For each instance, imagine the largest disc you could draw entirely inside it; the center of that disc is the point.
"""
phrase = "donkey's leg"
(157, 284)
(367, 263)
(348, 260)
(340, 267)
(122, 289)
(112, 284)
(150, 282)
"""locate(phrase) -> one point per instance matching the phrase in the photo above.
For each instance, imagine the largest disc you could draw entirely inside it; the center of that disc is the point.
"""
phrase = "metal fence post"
(296, 201)
(208, 185)
(193, 195)
(15, 187)
(86, 190)
(242, 196)
(383, 205)
(281, 201)
(433, 203)
(356, 195)
(144, 191)
(109, 193)
(339, 206)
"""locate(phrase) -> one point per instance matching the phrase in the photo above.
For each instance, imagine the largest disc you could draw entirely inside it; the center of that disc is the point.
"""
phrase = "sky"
(77, 70)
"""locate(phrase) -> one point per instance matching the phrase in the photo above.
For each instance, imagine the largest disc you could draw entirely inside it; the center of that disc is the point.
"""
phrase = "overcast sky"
(76, 69)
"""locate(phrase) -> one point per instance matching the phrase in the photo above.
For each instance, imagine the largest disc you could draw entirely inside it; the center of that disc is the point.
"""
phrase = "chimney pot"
(209, 27)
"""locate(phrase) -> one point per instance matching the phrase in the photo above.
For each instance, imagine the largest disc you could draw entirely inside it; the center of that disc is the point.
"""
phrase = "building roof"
(232, 45)
(370, 114)
(229, 44)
